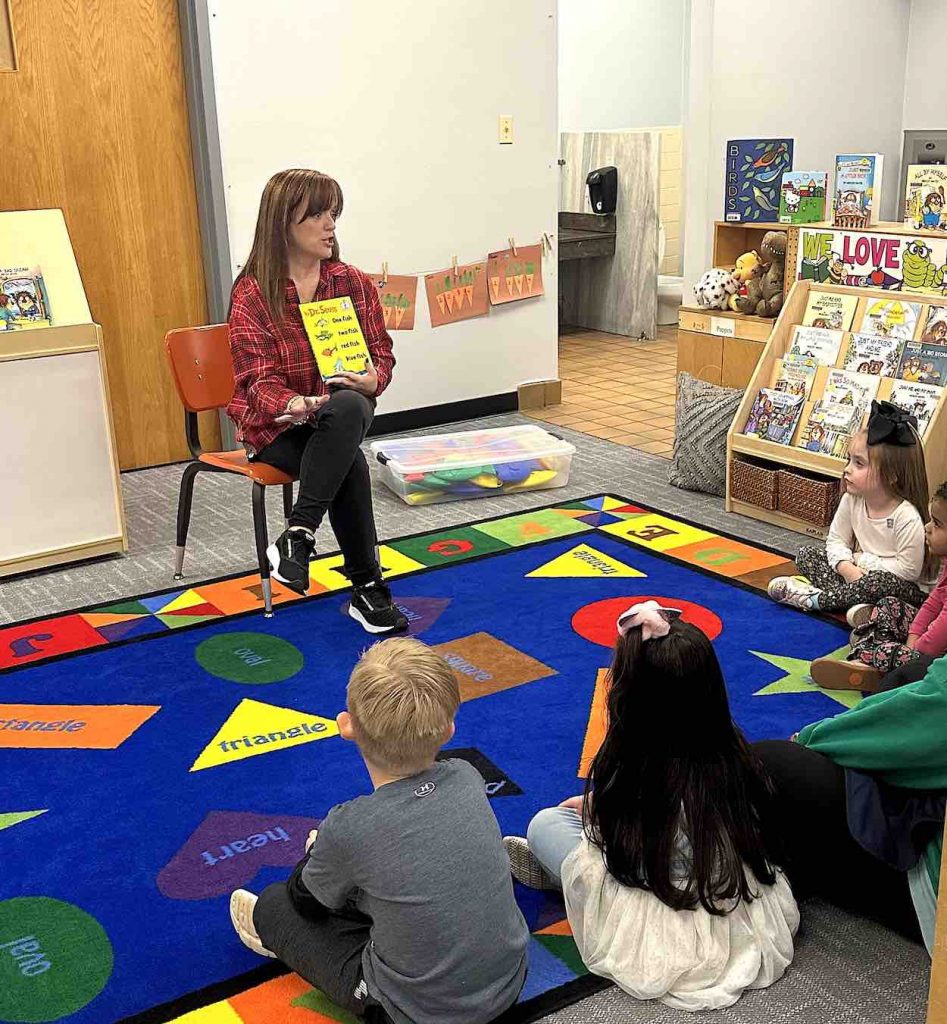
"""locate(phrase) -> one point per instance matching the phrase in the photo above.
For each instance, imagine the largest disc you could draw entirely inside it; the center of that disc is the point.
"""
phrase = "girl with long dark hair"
(669, 862)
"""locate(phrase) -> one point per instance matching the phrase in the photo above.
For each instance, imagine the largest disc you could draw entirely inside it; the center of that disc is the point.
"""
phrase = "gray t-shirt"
(423, 857)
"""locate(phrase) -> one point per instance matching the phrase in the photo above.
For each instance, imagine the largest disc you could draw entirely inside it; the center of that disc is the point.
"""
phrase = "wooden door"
(96, 124)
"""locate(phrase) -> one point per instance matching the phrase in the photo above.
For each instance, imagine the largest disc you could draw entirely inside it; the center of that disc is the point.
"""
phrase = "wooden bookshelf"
(787, 456)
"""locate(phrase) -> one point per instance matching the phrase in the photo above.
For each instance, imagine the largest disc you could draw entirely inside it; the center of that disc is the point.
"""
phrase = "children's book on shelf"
(774, 415)
(935, 327)
(834, 312)
(24, 302)
(926, 364)
(855, 390)
(817, 343)
(857, 189)
(829, 428)
(335, 336)
(918, 399)
(924, 203)
(802, 196)
(874, 353)
(753, 176)
(890, 318)
(796, 375)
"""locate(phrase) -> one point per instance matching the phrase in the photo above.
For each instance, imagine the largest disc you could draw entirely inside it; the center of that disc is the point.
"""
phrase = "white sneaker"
(524, 866)
(241, 917)
(796, 591)
(858, 615)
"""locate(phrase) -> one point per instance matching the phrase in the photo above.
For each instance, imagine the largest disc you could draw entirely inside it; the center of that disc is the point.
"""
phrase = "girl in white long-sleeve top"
(876, 545)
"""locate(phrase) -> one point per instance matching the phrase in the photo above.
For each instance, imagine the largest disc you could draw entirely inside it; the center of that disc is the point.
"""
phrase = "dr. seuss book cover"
(918, 399)
(335, 336)
(857, 189)
(890, 318)
(802, 196)
(796, 375)
(874, 353)
(829, 429)
(924, 363)
(24, 302)
(752, 178)
(935, 327)
(836, 312)
(855, 390)
(924, 193)
(774, 416)
(816, 343)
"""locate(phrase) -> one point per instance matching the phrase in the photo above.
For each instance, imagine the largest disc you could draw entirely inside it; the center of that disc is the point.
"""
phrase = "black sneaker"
(289, 556)
(373, 607)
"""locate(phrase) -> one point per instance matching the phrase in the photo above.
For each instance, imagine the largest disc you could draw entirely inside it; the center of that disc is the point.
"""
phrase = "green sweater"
(900, 735)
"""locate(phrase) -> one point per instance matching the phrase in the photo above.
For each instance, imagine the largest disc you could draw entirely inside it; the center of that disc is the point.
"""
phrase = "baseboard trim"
(450, 412)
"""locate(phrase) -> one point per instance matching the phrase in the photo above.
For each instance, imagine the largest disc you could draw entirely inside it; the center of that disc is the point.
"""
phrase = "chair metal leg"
(259, 532)
(287, 500)
(184, 515)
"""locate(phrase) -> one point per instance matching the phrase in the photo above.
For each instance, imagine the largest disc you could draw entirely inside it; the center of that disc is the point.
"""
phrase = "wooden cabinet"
(720, 346)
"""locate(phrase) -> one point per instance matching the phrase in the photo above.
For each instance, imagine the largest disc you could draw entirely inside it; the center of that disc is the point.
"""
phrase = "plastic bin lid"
(429, 452)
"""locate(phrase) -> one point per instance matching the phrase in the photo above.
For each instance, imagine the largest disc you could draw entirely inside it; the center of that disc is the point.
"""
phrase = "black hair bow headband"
(890, 424)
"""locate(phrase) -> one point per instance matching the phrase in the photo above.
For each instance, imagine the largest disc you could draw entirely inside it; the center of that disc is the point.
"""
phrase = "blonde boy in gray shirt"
(403, 908)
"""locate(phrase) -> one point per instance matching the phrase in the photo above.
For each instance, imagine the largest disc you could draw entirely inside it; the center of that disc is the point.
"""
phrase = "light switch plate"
(506, 130)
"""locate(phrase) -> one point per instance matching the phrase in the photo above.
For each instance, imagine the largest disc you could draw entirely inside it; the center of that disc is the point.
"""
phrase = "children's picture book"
(835, 312)
(774, 416)
(829, 429)
(890, 318)
(796, 375)
(24, 302)
(753, 176)
(935, 327)
(924, 201)
(852, 389)
(874, 353)
(335, 336)
(398, 295)
(802, 196)
(922, 363)
(857, 189)
(918, 399)
(817, 343)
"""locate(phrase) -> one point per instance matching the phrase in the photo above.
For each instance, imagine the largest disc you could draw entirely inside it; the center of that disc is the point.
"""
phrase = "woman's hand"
(365, 383)
(849, 571)
(301, 408)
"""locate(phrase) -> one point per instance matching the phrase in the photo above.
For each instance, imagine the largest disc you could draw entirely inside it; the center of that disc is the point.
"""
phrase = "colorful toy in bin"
(471, 464)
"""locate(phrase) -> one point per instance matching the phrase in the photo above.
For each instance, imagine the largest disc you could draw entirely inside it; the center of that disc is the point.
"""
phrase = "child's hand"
(311, 839)
(849, 571)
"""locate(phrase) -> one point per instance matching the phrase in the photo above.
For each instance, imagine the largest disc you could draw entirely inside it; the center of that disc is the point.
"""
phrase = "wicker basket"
(756, 483)
(811, 498)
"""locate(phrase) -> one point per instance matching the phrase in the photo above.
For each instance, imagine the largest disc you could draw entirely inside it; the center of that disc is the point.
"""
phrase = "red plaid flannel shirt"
(273, 362)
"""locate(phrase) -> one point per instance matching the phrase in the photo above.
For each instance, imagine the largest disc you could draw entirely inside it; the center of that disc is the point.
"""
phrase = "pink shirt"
(930, 623)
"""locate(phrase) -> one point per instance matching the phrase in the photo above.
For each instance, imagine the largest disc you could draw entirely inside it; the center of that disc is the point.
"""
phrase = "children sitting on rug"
(875, 547)
(892, 634)
(669, 863)
(402, 910)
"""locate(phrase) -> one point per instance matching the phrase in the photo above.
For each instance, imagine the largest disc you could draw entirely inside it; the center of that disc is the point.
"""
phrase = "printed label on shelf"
(722, 327)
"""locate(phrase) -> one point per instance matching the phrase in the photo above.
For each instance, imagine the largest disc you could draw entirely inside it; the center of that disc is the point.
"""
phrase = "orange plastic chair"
(202, 368)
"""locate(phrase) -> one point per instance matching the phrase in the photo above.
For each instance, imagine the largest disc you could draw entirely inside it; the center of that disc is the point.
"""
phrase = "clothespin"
(453, 266)
(547, 241)
(512, 245)
(384, 275)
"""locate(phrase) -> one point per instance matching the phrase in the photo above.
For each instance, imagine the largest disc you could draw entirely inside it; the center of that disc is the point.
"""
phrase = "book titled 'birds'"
(753, 177)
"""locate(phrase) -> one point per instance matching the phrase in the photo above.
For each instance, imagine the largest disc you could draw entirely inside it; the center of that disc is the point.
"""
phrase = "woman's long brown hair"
(294, 194)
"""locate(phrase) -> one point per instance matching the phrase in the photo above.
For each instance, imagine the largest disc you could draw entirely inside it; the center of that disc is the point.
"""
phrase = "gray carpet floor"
(846, 969)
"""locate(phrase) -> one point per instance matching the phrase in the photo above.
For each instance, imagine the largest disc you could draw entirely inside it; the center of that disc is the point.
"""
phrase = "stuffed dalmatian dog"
(714, 289)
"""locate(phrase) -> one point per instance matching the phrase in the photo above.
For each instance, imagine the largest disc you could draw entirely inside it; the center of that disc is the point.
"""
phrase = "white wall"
(399, 102)
(831, 77)
(620, 64)
(925, 86)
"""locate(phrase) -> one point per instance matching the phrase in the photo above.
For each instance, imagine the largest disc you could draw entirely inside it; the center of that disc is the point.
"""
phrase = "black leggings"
(822, 857)
(333, 477)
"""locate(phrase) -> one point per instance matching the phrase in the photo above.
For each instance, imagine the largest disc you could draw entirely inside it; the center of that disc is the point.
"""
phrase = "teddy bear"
(748, 267)
(761, 292)
(714, 289)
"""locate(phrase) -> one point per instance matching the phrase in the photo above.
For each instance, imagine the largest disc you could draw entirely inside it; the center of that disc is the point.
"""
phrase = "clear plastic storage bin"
(473, 463)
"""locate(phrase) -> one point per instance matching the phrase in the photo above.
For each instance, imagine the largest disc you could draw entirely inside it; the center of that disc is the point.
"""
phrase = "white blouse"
(689, 959)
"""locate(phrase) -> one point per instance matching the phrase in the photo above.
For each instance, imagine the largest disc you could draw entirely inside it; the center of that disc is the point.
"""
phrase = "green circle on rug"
(249, 657)
(54, 959)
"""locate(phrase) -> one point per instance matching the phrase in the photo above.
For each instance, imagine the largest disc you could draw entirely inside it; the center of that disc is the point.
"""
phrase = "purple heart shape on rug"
(229, 848)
